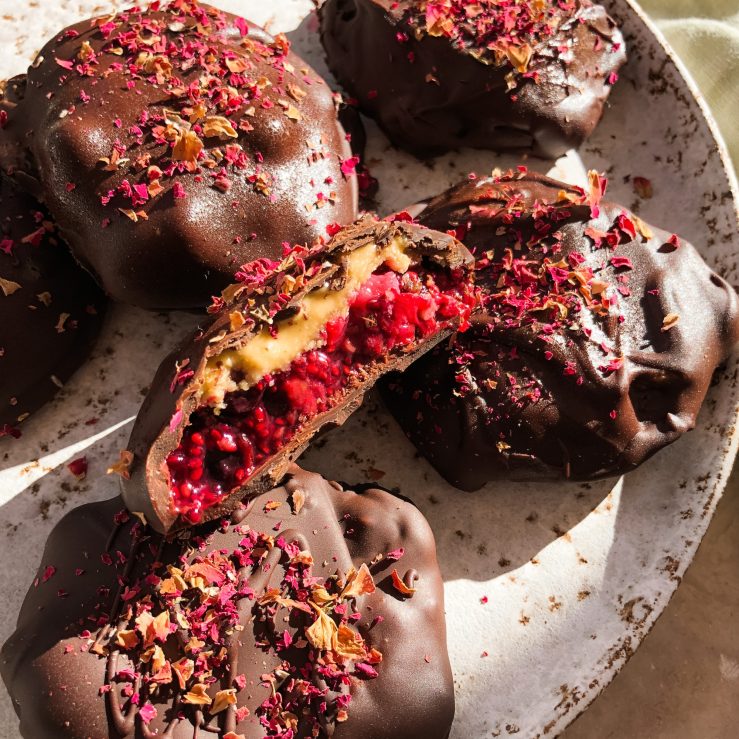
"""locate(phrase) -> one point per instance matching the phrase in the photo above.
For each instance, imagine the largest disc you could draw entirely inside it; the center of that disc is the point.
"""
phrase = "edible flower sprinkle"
(173, 627)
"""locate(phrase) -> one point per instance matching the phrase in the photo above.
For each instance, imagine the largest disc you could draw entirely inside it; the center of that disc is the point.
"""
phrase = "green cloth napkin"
(705, 34)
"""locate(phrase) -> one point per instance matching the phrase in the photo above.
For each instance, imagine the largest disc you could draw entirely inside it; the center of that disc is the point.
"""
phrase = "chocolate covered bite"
(51, 309)
(294, 347)
(596, 347)
(314, 611)
(527, 75)
(175, 143)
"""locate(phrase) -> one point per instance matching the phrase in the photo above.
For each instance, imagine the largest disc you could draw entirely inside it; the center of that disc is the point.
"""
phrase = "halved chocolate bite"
(51, 309)
(294, 347)
(526, 75)
(311, 611)
(175, 143)
(597, 345)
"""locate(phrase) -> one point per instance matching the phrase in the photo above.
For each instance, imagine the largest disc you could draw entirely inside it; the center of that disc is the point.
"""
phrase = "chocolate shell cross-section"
(312, 611)
(596, 346)
(293, 348)
(50, 307)
(528, 75)
(173, 144)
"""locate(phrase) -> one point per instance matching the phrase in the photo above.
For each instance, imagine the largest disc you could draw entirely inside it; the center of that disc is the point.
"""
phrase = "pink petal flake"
(148, 713)
(78, 467)
(349, 166)
(242, 25)
(174, 422)
(619, 262)
(365, 670)
(674, 241)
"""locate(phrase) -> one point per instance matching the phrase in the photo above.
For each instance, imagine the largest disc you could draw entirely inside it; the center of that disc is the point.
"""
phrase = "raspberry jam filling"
(221, 448)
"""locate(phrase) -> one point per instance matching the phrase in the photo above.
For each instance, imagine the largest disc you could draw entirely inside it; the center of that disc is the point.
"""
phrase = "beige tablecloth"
(705, 34)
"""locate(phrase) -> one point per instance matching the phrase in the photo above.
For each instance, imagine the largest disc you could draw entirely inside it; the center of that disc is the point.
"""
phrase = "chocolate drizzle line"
(125, 720)
(512, 75)
(129, 126)
(266, 624)
(582, 362)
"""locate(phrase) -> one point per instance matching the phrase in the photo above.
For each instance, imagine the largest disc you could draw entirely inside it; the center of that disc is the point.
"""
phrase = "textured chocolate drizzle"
(536, 399)
(430, 95)
(285, 183)
(56, 693)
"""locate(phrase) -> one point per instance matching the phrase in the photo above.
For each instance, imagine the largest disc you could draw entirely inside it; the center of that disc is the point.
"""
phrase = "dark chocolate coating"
(446, 98)
(166, 410)
(189, 248)
(368, 185)
(56, 694)
(504, 431)
(51, 309)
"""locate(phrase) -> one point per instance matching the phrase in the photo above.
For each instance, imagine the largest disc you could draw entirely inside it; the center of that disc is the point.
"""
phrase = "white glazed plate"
(575, 575)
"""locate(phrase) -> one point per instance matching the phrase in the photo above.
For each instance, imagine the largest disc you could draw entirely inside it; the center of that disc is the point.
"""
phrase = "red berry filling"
(388, 313)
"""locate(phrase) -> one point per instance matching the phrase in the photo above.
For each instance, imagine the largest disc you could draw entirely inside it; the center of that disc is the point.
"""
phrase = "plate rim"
(729, 458)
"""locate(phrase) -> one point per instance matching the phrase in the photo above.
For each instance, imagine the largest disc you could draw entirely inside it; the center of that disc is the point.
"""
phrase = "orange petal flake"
(358, 582)
(122, 466)
(8, 287)
(197, 696)
(187, 148)
(322, 632)
(400, 586)
(223, 699)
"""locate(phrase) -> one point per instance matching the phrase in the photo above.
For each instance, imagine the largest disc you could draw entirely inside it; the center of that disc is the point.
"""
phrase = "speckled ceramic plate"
(575, 575)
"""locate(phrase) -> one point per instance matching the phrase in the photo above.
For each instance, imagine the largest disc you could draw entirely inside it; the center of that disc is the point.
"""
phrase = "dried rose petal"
(642, 187)
(78, 467)
(400, 586)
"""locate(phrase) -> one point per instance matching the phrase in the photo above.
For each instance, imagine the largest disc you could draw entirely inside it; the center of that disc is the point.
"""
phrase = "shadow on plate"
(480, 535)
